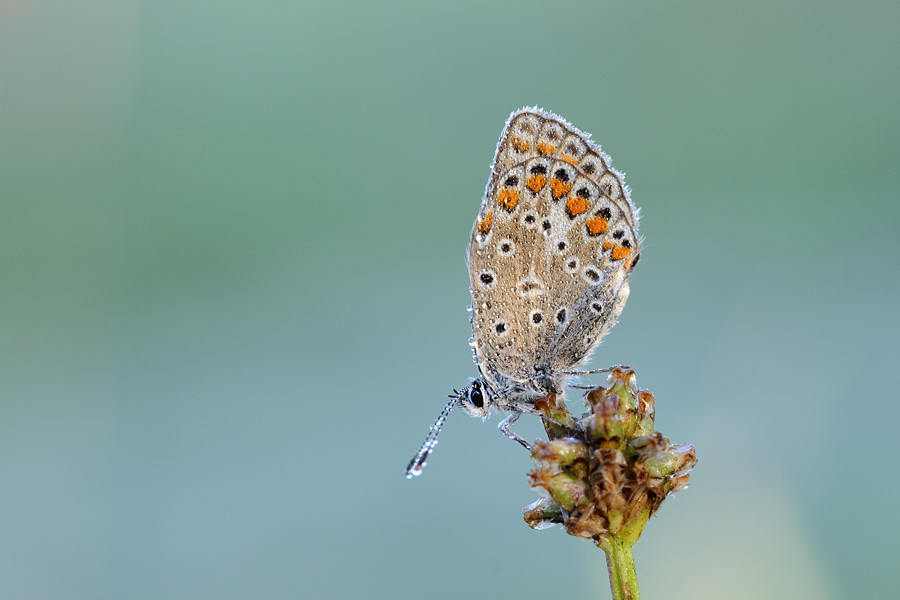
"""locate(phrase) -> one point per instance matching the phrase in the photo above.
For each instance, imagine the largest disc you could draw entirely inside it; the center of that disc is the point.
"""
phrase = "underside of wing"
(551, 249)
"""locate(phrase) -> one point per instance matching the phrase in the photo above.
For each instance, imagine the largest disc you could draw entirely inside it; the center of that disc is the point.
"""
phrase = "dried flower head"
(605, 474)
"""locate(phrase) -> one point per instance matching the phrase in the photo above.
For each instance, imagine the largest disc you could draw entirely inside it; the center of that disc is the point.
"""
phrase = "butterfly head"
(475, 399)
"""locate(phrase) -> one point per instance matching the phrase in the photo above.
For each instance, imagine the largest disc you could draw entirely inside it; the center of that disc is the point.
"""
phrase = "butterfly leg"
(593, 371)
(505, 425)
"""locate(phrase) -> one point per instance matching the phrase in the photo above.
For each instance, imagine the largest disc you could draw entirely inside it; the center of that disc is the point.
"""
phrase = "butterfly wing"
(551, 250)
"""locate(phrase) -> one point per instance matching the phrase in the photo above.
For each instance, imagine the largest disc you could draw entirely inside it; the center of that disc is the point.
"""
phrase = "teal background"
(233, 293)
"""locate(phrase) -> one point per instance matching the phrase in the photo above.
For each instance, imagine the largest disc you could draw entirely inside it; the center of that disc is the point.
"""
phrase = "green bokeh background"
(233, 291)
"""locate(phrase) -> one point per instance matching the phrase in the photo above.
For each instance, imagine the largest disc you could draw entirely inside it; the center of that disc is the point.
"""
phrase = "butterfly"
(549, 258)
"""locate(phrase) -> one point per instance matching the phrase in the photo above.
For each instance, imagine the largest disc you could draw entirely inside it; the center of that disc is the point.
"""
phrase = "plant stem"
(620, 562)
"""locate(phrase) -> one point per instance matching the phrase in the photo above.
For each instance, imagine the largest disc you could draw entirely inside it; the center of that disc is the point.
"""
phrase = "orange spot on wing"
(577, 205)
(559, 188)
(620, 252)
(607, 245)
(519, 144)
(569, 159)
(536, 183)
(508, 199)
(484, 225)
(545, 148)
(597, 225)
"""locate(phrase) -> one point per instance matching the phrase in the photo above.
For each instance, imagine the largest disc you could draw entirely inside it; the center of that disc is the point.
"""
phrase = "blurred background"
(233, 293)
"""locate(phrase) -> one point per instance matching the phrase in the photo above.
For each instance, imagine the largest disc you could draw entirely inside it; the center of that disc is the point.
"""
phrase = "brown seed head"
(608, 472)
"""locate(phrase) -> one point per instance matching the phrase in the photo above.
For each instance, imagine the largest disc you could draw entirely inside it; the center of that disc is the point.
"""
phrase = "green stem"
(620, 562)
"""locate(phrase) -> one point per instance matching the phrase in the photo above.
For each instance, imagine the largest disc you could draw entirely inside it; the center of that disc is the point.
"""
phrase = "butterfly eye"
(475, 396)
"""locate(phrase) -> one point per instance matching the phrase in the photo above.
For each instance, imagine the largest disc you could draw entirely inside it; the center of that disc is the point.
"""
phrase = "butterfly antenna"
(414, 469)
